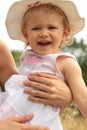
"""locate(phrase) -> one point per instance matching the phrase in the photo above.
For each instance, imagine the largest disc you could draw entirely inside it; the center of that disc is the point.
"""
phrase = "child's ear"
(25, 34)
(66, 33)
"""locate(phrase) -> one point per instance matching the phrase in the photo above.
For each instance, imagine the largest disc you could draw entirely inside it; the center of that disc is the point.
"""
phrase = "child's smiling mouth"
(44, 43)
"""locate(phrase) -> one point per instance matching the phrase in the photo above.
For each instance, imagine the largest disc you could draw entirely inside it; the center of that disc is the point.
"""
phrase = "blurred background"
(71, 117)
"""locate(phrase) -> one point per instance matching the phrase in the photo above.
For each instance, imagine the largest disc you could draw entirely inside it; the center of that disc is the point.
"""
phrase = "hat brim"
(18, 9)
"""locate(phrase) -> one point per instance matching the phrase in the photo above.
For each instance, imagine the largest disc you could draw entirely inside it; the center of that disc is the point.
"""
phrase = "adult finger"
(34, 127)
(22, 119)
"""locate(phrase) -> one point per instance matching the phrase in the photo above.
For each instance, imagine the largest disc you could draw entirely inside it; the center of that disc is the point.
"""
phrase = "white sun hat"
(18, 9)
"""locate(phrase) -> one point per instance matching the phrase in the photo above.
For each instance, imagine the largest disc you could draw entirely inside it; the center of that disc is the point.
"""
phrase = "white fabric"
(17, 103)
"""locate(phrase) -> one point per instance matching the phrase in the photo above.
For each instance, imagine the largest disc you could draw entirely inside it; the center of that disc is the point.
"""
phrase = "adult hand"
(15, 124)
(48, 89)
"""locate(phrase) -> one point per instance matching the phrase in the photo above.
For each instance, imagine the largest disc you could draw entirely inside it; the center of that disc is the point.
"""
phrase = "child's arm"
(7, 64)
(73, 76)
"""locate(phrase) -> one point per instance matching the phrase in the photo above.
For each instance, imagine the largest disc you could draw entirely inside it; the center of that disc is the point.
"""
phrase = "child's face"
(45, 32)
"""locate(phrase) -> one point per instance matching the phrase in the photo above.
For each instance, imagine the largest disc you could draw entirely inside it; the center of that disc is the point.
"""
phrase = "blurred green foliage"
(16, 54)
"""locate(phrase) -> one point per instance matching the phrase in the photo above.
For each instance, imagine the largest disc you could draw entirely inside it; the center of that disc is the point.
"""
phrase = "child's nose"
(44, 33)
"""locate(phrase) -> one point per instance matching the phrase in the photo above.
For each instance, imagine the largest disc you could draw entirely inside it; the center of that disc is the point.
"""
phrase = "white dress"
(15, 101)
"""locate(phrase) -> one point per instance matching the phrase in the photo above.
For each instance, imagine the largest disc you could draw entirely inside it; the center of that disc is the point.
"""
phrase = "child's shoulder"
(65, 55)
(66, 61)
